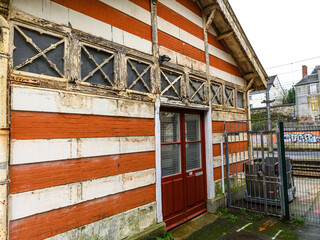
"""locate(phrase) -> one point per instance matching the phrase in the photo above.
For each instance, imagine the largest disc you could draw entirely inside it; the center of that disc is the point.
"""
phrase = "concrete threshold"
(185, 230)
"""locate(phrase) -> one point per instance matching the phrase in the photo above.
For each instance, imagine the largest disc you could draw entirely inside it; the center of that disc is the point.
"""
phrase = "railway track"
(306, 168)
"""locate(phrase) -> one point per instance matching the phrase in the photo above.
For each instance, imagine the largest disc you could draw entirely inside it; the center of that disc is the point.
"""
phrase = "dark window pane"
(193, 155)
(192, 122)
(170, 127)
(90, 58)
(240, 100)
(164, 83)
(170, 159)
(194, 85)
(132, 76)
(216, 94)
(52, 66)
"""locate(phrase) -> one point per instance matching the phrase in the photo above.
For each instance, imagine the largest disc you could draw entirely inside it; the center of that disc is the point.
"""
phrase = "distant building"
(308, 95)
(276, 93)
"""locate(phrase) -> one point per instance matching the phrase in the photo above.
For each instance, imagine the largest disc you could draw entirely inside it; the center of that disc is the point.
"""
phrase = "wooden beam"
(210, 19)
(250, 84)
(248, 76)
(208, 10)
(224, 35)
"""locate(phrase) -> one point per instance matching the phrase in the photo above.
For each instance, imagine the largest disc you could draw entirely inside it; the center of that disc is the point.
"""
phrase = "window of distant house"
(250, 97)
(251, 105)
(313, 88)
(314, 105)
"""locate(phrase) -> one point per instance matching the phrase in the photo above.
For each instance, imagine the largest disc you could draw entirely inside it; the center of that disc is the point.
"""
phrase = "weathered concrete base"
(188, 228)
(120, 226)
(220, 202)
(150, 233)
(214, 204)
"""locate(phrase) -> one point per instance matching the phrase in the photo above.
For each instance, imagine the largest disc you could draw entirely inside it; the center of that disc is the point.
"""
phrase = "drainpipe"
(4, 127)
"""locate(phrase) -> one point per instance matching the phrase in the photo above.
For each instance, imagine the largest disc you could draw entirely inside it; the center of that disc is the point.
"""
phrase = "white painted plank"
(43, 200)
(209, 154)
(226, 76)
(183, 11)
(46, 100)
(44, 150)
(130, 9)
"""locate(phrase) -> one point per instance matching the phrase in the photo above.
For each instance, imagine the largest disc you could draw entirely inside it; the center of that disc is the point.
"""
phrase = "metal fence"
(302, 145)
(274, 168)
(253, 167)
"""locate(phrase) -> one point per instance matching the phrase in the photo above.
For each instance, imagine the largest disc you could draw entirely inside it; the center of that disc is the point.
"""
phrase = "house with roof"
(307, 92)
(277, 94)
(112, 113)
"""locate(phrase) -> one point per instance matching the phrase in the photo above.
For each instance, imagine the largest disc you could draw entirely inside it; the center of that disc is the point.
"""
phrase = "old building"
(308, 95)
(277, 94)
(112, 113)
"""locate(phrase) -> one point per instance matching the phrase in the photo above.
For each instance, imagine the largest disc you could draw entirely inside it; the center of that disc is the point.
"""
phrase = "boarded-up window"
(197, 90)
(38, 52)
(139, 76)
(229, 97)
(240, 99)
(216, 93)
(97, 66)
(170, 83)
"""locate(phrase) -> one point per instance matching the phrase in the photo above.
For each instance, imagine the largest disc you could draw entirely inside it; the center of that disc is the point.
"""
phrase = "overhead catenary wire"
(285, 64)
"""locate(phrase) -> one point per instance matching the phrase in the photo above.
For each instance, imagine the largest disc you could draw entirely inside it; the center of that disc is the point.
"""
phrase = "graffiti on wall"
(309, 137)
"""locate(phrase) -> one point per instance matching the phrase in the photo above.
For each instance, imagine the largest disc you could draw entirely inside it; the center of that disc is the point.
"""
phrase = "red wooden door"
(183, 165)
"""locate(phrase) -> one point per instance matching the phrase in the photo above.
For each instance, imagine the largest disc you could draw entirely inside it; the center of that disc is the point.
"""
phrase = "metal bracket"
(5, 182)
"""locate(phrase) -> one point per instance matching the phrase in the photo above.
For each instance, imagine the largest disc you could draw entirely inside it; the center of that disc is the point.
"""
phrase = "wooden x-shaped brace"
(40, 52)
(215, 93)
(197, 90)
(171, 84)
(229, 99)
(139, 76)
(98, 66)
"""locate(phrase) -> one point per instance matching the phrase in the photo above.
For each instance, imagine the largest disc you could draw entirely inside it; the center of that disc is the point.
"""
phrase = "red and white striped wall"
(77, 159)
(237, 146)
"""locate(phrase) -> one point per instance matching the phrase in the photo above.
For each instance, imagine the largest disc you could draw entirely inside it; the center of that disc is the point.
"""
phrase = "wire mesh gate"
(254, 167)
(302, 145)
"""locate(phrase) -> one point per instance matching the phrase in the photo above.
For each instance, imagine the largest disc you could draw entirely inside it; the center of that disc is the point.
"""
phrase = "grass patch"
(167, 236)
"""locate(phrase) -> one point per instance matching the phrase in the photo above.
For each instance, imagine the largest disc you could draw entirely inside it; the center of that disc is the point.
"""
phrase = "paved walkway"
(237, 225)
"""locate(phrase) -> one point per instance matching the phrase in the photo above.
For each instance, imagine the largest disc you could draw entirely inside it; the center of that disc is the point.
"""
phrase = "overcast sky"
(282, 32)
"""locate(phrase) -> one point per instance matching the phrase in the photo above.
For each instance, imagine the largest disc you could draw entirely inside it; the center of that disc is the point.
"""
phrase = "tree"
(290, 96)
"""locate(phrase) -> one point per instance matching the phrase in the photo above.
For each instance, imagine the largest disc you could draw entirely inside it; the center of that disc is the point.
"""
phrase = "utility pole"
(268, 101)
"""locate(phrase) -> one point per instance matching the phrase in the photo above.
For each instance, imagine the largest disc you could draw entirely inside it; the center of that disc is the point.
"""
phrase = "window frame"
(203, 84)
(221, 93)
(144, 60)
(41, 30)
(182, 79)
(243, 99)
(115, 65)
(226, 98)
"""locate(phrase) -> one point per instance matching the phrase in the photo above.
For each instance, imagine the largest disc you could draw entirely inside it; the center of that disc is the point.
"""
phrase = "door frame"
(209, 156)
(203, 115)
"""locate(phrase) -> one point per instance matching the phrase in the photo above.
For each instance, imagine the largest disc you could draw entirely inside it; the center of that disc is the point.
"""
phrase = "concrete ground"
(237, 225)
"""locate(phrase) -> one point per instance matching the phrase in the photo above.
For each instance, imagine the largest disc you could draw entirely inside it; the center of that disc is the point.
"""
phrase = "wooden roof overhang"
(220, 16)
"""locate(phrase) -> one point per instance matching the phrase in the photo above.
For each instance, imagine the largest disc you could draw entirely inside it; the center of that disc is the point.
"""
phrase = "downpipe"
(4, 127)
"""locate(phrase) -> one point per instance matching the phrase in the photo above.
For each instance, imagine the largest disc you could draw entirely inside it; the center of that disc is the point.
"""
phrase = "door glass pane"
(192, 127)
(170, 127)
(193, 155)
(170, 159)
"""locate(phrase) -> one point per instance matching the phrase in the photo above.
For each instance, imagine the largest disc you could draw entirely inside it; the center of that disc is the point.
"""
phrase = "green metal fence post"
(282, 161)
